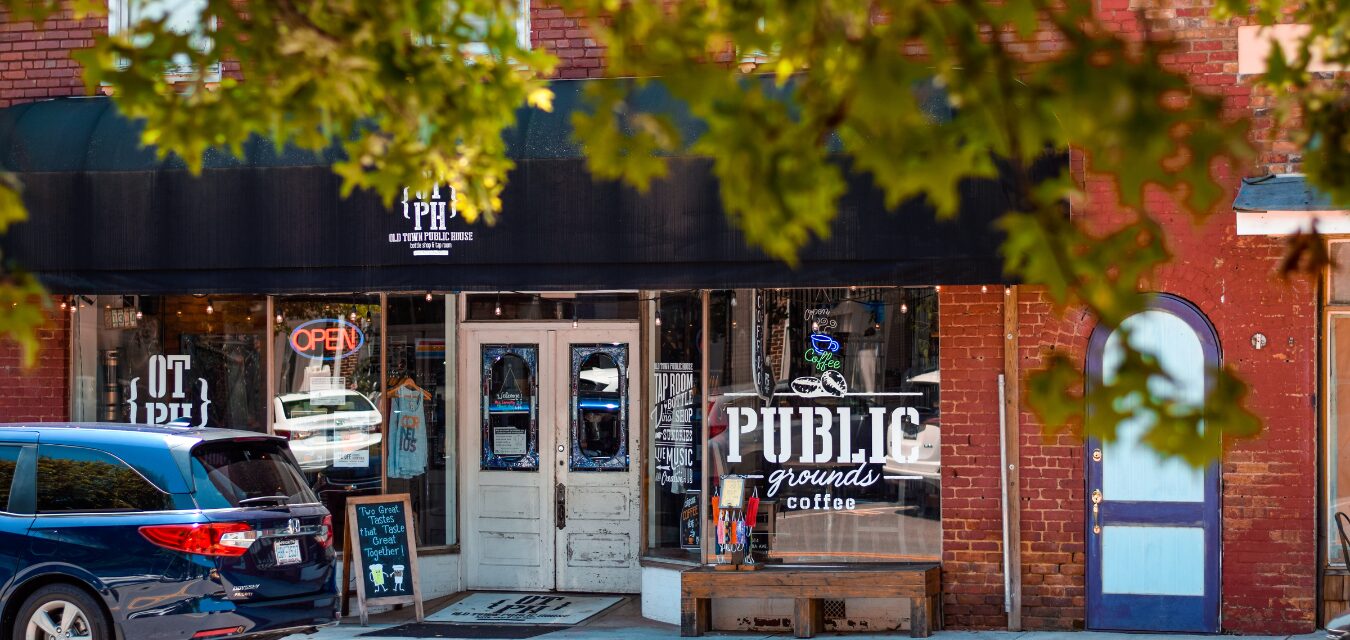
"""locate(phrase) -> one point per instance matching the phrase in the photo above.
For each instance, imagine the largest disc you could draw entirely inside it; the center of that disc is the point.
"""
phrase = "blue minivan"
(128, 532)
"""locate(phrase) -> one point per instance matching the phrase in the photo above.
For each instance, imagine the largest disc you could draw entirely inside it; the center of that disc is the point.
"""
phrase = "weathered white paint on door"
(511, 539)
(597, 550)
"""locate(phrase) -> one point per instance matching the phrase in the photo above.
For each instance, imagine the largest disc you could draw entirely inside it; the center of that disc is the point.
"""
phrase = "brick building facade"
(1270, 559)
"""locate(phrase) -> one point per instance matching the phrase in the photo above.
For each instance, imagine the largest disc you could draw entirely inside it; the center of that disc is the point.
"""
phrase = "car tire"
(41, 616)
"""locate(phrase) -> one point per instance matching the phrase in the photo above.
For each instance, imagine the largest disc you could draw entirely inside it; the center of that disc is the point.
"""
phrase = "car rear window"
(226, 472)
(321, 404)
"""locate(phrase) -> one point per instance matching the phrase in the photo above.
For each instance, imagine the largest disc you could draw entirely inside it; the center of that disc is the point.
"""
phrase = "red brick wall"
(970, 328)
(37, 393)
(35, 63)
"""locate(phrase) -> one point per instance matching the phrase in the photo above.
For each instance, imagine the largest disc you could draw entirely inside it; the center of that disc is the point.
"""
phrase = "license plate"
(287, 551)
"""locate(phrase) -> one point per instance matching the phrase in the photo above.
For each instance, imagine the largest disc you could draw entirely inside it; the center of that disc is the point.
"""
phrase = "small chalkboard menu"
(689, 522)
(381, 550)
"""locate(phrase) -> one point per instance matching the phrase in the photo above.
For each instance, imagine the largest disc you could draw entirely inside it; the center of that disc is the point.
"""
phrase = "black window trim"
(23, 483)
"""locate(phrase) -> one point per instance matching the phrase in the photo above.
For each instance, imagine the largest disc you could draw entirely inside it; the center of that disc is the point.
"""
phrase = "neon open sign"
(327, 339)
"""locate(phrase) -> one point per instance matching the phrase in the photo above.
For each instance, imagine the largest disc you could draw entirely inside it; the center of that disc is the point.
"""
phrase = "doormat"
(524, 608)
(466, 631)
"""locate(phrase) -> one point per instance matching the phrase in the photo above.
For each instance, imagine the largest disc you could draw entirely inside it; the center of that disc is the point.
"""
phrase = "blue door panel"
(1164, 558)
(1158, 613)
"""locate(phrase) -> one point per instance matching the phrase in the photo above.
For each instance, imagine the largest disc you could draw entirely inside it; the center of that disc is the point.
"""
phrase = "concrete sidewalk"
(625, 622)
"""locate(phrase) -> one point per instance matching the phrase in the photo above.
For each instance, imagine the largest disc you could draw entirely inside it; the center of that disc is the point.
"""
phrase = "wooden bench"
(920, 583)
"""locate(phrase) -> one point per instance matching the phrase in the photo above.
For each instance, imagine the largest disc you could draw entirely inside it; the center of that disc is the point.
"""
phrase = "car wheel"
(60, 612)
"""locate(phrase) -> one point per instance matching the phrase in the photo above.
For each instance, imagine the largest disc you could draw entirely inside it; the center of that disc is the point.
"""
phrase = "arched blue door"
(1153, 524)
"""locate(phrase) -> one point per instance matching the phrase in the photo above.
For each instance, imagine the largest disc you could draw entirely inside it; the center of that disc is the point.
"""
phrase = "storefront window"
(675, 455)
(1337, 327)
(825, 402)
(327, 396)
(420, 390)
(197, 360)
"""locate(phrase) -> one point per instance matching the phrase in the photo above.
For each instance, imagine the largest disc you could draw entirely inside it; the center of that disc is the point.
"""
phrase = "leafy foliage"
(409, 95)
(856, 69)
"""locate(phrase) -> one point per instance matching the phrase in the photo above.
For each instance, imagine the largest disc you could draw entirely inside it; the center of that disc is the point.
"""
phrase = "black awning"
(108, 218)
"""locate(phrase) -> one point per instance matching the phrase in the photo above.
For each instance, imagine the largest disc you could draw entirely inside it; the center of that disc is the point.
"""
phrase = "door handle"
(1096, 511)
(560, 505)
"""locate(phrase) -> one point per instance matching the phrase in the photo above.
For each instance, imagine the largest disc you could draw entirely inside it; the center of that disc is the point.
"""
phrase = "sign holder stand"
(353, 559)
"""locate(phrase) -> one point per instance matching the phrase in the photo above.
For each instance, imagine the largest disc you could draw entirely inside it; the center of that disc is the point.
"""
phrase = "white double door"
(552, 501)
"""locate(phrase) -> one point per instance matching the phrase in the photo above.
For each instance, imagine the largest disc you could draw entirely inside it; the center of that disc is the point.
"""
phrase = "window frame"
(119, 20)
(1326, 516)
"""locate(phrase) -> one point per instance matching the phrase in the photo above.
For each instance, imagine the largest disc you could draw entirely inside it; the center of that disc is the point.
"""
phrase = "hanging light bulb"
(210, 309)
(428, 296)
(733, 298)
(574, 321)
(180, 313)
(352, 315)
(658, 317)
(904, 308)
(1007, 290)
(938, 288)
(984, 288)
(140, 315)
(279, 319)
(815, 327)
(498, 310)
(63, 305)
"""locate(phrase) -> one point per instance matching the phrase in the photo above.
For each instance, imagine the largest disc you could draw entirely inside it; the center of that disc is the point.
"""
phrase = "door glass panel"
(599, 408)
(1160, 561)
(1131, 470)
(510, 407)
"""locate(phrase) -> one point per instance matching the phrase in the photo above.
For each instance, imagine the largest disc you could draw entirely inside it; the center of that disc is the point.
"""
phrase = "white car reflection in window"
(328, 428)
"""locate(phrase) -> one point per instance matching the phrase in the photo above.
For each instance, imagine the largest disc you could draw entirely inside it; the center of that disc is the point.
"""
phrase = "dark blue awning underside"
(107, 217)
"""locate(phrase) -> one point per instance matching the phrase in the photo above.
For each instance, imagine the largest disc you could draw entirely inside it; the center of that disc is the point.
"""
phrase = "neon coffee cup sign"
(327, 339)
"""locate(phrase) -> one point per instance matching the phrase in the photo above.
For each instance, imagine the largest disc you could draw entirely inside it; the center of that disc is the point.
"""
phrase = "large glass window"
(77, 480)
(327, 395)
(157, 359)
(825, 401)
(419, 394)
(1337, 394)
(675, 440)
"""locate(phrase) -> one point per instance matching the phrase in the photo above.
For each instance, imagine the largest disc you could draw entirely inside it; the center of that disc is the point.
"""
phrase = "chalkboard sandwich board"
(382, 550)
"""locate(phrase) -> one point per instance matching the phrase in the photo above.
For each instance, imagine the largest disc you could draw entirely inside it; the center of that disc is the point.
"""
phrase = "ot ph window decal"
(510, 407)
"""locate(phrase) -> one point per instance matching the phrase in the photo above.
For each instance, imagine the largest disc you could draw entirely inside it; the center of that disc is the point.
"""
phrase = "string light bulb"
(574, 320)
(1007, 290)
(280, 319)
(428, 296)
(904, 308)
(938, 288)
(210, 309)
(140, 315)
(63, 305)
(658, 317)
(984, 288)
(498, 310)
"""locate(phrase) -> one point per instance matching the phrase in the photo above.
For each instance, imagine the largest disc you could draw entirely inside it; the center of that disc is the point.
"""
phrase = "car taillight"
(325, 534)
(211, 539)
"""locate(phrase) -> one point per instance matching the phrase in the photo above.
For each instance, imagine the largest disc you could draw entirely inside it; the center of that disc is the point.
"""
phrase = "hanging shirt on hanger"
(407, 434)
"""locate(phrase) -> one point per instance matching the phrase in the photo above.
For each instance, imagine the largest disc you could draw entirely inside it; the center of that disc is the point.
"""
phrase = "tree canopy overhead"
(426, 87)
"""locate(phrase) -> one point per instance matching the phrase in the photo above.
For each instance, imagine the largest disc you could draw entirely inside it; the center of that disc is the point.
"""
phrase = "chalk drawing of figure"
(398, 577)
(377, 577)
